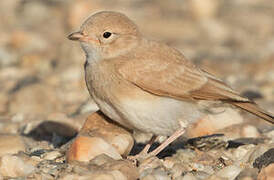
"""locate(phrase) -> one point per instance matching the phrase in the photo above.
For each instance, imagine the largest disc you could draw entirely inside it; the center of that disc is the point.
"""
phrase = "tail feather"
(256, 110)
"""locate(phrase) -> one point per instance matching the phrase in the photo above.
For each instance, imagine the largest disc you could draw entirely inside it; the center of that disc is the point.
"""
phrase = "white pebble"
(51, 155)
(14, 166)
(229, 172)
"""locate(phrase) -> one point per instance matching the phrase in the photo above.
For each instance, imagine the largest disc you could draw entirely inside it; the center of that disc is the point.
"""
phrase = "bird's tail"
(256, 110)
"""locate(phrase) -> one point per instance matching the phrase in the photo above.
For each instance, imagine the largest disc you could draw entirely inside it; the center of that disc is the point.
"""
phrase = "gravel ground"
(44, 101)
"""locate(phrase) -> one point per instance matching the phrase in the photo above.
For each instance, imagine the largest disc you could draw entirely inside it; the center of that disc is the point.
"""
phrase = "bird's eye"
(106, 34)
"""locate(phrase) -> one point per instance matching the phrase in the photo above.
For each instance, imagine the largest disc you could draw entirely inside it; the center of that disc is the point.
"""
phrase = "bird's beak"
(76, 36)
(79, 36)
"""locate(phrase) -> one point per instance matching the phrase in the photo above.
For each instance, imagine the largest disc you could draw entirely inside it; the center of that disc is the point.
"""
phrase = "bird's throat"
(92, 54)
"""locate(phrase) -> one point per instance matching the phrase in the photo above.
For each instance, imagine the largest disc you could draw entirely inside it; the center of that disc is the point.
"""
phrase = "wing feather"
(171, 75)
(164, 78)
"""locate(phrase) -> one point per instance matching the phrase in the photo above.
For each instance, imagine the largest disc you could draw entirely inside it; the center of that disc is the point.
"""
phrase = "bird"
(148, 86)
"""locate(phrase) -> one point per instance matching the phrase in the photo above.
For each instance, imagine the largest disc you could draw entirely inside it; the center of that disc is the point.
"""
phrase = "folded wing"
(180, 79)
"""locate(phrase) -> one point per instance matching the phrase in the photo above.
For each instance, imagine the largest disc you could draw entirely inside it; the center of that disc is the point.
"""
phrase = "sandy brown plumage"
(174, 76)
(146, 85)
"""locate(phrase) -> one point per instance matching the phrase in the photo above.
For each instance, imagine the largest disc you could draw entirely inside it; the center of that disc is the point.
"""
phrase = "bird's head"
(106, 35)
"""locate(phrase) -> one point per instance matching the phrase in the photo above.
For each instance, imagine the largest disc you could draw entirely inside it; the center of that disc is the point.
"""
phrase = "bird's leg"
(148, 145)
(169, 140)
(144, 152)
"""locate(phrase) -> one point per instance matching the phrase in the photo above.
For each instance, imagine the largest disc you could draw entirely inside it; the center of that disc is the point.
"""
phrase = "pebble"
(250, 131)
(97, 133)
(118, 175)
(103, 167)
(257, 152)
(177, 170)
(270, 135)
(117, 136)
(160, 175)
(248, 174)
(204, 9)
(86, 148)
(11, 144)
(265, 159)
(7, 58)
(14, 166)
(189, 176)
(243, 153)
(51, 155)
(267, 173)
(17, 118)
(74, 177)
(212, 123)
(229, 172)
(157, 174)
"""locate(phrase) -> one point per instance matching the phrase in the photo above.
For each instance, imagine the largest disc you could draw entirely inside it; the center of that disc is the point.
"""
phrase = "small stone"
(14, 166)
(148, 177)
(98, 131)
(267, 173)
(124, 166)
(149, 163)
(242, 153)
(259, 157)
(201, 174)
(157, 174)
(249, 131)
(177, 170)
(214, 177)
(223, 118)
(86, 148)
(103, 166)
(102, 126)
(230, 172)
(17, 118)
(189, 176)
(248, 174)
(252, 94)
(201, 167)
(206, 143)
(103, 176)
(204, 9)
(160, 175)
(118, 175)
(168, 163)
(270, 135)
(265, 159)
(51, 155)
(11, 144)
(7, 58)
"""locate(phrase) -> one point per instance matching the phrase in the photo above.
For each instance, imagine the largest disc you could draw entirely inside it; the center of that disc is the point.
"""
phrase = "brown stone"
(267, 173)
(11, 144)
(100, 136)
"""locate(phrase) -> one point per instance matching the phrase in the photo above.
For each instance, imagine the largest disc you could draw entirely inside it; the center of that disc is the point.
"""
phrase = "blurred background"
(41, 71)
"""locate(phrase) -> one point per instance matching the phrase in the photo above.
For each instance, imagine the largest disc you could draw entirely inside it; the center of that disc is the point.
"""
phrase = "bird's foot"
(138, 158)
(144, 161)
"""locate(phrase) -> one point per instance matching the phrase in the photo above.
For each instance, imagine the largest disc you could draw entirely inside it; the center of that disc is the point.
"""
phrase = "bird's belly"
(150, 113)
(158, 115)
(110, 111)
